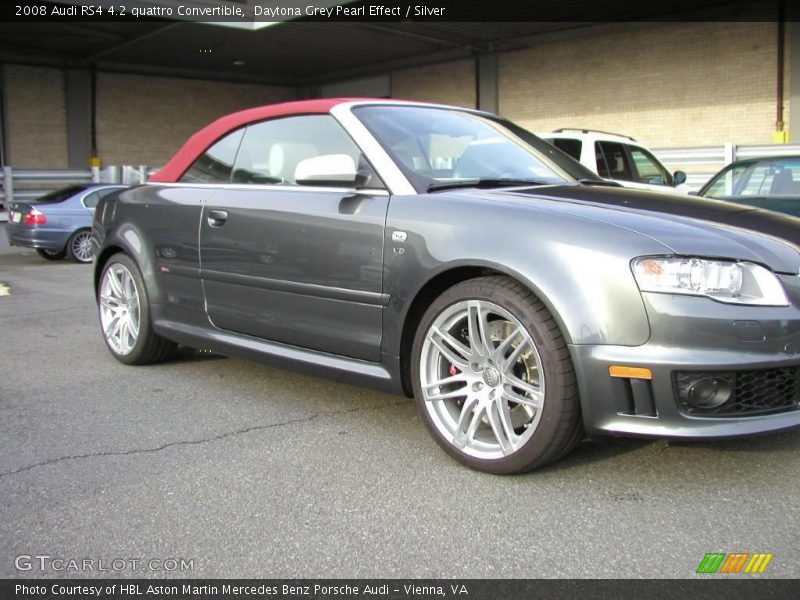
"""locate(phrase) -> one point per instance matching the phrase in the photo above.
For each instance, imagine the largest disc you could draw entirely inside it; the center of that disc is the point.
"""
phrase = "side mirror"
(328, 170)
(694, 193)
(678, 178)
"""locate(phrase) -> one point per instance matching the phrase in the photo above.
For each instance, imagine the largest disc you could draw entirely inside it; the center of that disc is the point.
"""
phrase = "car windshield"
(775, 178)
(437, 146)
(61, 195)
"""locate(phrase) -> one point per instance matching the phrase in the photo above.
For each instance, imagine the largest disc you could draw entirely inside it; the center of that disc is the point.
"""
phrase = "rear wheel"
(125, 315)
(493, 379)
(51, 254)
(80, 246)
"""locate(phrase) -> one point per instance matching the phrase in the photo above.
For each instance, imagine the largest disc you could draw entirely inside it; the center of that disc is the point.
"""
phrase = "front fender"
(578, 267)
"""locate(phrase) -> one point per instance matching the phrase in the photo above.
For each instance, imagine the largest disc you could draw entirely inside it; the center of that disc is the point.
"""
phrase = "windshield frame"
(562, 169)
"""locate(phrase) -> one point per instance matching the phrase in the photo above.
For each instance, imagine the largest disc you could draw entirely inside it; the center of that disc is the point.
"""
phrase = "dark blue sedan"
(58, 224)
(772, 183)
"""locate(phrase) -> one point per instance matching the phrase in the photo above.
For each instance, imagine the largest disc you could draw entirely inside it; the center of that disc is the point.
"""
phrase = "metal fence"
(29, 184)
(701, 163)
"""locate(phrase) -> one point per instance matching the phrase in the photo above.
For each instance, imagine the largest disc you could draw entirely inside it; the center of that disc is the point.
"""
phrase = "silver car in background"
(58, 224)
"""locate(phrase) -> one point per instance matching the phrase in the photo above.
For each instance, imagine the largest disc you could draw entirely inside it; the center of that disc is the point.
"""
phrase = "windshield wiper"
(484, 183)
(599, 182)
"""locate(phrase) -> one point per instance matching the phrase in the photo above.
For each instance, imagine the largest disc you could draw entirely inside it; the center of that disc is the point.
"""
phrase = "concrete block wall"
(144, 120)
(36, 117)
(140, 119)
(446, 83)
(666, 84)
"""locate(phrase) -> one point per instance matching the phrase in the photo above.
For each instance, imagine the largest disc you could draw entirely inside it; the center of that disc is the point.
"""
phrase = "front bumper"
(690, 334)
(37, 237)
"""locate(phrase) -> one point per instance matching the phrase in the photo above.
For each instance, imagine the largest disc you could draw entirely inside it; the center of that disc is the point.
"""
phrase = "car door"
(614, 162)
(287, 257)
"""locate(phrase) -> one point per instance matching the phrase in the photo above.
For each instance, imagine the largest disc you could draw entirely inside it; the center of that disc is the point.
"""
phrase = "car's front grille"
(737, 393)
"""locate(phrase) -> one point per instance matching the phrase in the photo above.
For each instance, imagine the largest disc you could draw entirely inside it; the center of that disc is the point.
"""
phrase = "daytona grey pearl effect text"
(347, 11)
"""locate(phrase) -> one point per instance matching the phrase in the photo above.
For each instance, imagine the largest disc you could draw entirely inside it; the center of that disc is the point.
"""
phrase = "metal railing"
(702, 163)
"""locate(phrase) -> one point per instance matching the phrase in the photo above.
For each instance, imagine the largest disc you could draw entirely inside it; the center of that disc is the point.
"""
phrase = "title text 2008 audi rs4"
(450, 255)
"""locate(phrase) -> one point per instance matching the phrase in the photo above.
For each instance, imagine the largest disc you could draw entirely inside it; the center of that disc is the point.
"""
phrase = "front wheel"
(493, 379)
(125, 315)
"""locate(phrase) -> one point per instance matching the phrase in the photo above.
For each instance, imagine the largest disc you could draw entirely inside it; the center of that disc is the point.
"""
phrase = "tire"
(124, 312)
(80, 247)
(503, 403)
(51, 254)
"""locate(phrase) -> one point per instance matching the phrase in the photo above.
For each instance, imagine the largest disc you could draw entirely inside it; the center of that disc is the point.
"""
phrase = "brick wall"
(37, 121)
(446, 83)
(666, 84)
(144, 120)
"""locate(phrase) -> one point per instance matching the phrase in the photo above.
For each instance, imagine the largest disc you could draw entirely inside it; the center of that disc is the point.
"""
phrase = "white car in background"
(617, 157)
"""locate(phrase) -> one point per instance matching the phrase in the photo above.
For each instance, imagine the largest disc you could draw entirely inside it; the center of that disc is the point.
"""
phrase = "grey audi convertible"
(449, 255)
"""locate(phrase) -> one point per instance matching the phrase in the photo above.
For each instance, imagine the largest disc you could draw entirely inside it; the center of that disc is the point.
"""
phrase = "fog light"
(705, 391)
(710, 392)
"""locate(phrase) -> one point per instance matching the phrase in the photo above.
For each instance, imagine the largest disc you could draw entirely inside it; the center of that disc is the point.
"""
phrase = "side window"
(570, 146)
(612, 161)
(310, 150)
(216, 163)
(106, 191)
(649, 169)
(91, 200)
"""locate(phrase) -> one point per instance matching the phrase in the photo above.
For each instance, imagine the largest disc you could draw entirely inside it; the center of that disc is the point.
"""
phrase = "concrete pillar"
(486, 95)
(4, 133)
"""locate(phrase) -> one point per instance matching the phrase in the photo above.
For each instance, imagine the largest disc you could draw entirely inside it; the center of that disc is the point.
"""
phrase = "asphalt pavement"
(229, 468)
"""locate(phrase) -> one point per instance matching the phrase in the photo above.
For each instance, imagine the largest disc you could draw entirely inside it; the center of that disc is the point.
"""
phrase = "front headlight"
(726, 281)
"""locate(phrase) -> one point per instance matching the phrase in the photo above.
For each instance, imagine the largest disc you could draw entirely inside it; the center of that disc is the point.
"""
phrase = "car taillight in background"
(34, 218)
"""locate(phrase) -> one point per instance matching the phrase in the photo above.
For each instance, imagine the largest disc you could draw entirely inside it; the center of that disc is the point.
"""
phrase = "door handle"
(217, 218)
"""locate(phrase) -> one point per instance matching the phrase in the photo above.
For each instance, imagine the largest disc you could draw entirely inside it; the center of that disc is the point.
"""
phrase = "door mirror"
(327, 170)
(678, 178)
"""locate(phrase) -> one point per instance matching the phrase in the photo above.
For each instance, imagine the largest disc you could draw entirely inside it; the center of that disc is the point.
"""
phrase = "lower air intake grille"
(737, 393)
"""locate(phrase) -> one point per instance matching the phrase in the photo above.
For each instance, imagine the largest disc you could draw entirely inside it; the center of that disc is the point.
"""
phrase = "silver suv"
(617, 157)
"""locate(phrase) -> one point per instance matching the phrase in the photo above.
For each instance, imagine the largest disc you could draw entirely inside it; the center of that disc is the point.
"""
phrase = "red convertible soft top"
(201, 140)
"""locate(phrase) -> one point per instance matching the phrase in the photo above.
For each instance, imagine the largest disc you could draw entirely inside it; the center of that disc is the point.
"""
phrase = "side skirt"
(382, 376)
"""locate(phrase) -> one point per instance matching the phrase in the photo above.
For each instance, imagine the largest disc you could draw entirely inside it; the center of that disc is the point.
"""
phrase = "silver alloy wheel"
(119, 309)
(482, 379)
(83, 246)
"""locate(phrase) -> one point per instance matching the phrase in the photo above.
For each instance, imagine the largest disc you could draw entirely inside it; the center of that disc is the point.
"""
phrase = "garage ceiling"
(299, 53)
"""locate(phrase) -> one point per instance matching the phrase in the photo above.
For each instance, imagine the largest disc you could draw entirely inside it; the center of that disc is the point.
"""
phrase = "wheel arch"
(438, 284)
(101, 261)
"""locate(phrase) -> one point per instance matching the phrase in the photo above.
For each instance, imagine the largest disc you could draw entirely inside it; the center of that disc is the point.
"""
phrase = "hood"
(688, 225)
